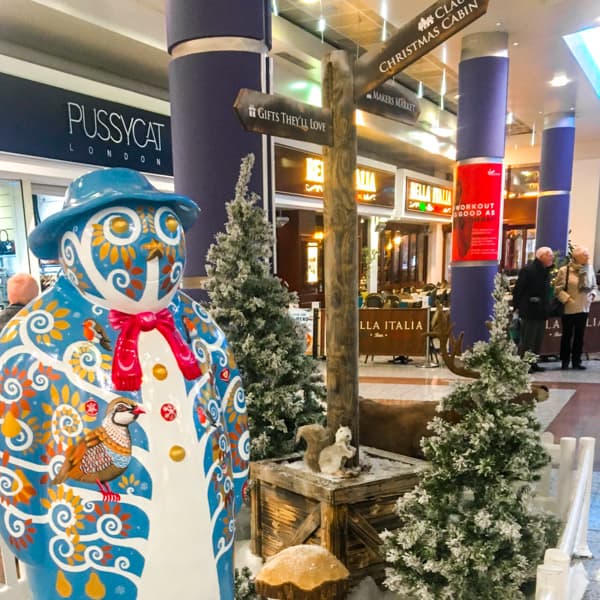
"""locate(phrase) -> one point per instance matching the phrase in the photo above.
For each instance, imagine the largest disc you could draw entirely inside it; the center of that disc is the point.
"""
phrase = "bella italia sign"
(418, 37)
(277, 115)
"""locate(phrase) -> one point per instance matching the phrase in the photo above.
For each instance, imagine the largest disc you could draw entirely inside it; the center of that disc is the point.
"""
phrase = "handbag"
(7, 246)
(557, 308)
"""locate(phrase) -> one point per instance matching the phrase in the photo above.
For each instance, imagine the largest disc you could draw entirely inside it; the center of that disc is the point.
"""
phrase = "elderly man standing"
(22, 288)
(531, 299)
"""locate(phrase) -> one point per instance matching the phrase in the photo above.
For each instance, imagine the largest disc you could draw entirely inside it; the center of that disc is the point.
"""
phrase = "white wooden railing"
(558, 578)
(15, 586)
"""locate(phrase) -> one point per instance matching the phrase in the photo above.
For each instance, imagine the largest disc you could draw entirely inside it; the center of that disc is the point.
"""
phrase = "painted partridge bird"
(105, 452)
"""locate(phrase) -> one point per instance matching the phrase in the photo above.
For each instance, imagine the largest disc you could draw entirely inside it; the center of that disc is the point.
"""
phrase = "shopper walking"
(576, 288)
(531, 298)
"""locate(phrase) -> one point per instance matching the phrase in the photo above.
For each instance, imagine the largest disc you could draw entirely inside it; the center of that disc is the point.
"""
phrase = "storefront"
(520, 206)
(55, 127)
(414, 245)
(299, 219)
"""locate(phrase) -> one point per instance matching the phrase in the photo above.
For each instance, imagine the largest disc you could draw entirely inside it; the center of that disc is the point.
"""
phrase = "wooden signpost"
(342, 87)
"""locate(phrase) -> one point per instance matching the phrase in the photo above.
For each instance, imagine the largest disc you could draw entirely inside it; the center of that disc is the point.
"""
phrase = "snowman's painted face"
(129, 257)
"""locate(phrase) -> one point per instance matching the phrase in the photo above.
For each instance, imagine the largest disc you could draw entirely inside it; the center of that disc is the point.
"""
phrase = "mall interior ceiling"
(122, 42)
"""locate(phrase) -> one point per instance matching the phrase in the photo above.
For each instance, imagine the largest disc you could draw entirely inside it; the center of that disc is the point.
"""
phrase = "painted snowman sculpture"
(125, 445)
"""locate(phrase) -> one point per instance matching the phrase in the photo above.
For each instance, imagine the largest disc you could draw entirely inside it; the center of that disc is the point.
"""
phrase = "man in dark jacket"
(531, 297)
(21, 289)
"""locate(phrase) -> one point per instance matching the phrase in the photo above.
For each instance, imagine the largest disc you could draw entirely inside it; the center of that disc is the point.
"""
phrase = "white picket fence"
(15, 586)
(559, 578)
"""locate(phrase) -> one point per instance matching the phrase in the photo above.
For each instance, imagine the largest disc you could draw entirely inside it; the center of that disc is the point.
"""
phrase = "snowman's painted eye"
(171, 223)
(119, 225)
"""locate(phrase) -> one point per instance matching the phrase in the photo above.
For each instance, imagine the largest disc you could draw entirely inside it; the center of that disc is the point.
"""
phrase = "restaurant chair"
(392, 301)
(374, 301)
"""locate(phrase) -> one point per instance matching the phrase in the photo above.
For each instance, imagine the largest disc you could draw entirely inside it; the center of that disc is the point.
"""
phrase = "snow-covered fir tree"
(284, 388)
(468, 531)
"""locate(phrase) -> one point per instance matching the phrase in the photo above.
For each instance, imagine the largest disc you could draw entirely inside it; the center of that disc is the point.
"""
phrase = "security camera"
(281, 221)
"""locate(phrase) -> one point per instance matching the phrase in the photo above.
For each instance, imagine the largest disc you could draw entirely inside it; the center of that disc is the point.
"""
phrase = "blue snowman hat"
(99, 189)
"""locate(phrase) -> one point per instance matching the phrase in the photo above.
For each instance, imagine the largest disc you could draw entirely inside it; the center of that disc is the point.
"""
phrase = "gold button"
(160, 372)
(177, 453)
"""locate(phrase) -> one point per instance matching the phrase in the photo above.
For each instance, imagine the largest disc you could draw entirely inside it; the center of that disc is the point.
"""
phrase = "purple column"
(216, 48)
(483, 82)
(556, 170)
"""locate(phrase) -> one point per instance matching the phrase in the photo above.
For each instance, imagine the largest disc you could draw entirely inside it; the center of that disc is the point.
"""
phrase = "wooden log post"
(341, 247)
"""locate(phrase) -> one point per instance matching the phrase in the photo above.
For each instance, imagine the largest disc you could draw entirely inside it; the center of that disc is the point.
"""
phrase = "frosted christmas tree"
(468, 530)
(284, 388)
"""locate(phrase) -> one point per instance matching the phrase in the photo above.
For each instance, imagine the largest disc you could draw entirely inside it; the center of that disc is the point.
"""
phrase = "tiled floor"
(573, 409)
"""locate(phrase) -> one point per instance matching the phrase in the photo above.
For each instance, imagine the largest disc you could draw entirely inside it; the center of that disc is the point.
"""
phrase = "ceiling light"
(509, 118)
(321, 25)
(310, 1)
(585, 46)
(274, 8)
(515, 43)
(498, 24)
(559, 80)
(298, 85)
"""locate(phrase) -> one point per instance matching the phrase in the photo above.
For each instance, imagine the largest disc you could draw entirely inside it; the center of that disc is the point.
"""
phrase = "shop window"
(518, 248)
(403, 253)
(47, 200)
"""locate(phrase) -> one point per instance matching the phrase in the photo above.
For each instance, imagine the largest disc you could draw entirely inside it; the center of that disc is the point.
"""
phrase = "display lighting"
(585, 47)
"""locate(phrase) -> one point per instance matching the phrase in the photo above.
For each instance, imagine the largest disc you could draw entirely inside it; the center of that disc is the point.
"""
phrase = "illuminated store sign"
(302, 174)
(426, 198)
(366, 189)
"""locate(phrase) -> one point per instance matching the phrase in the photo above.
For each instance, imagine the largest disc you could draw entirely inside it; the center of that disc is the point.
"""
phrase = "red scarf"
(126, 368)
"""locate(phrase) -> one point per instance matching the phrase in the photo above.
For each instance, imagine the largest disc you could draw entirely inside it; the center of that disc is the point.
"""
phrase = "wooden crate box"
(292, 505)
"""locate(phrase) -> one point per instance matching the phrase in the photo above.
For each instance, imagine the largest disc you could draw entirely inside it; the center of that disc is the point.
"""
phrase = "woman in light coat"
(576, 288)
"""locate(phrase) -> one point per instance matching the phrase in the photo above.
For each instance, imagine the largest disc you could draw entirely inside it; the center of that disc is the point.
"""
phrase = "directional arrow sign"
(418, 37)
(391, 101)
(277, 115)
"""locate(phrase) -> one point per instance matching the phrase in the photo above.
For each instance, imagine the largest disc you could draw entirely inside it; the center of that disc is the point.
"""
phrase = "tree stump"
(303, 572)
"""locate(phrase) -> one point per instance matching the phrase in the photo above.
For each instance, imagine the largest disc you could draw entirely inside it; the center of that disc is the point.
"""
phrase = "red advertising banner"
(477, 214)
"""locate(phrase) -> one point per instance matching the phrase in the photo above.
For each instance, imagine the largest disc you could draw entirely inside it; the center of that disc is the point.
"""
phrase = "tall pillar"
(216, 48)
(556, 170)
(477, 219)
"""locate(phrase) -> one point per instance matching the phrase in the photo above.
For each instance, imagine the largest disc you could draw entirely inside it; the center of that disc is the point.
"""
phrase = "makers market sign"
(42, 120)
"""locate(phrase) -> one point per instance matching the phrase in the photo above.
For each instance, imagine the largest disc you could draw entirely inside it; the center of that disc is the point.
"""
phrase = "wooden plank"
(308, 527)
(364, 531)
(334, 529)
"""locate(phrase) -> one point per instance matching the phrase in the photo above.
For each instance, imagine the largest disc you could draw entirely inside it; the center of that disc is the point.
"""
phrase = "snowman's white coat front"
(179, 558)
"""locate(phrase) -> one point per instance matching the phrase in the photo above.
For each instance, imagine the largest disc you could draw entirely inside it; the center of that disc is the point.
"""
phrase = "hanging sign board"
(477, 212)
(274, 114)
(391, 101)
(418, 37)
(427, 198)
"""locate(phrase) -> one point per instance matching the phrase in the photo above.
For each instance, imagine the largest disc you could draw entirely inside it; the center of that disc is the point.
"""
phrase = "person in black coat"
(21, 289)
(531, 297)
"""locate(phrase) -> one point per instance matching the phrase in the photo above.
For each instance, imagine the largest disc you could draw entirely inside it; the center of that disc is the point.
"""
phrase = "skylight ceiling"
(585, 46)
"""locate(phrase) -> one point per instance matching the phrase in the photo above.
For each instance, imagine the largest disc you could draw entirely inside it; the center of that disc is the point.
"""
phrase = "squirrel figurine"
(321, 455)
